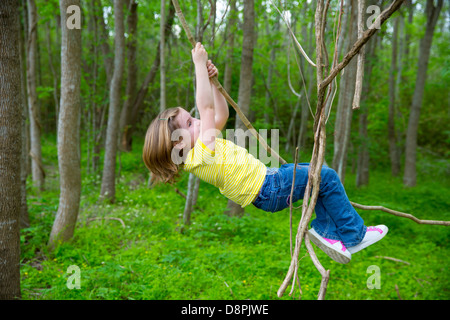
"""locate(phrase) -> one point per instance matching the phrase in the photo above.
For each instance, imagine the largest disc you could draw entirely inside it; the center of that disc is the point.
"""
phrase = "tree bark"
(344, 109)
(194, 182)
(132, 71)
(68, 131)
(24, 215)
(363, 161)
(227, 74)
(133, 116)
(10, 150)
(392, 132)
(162, 56)
(432, 13)
(245, 81)
(53, 71)
(37, 169)
(108, 189)
(306, 98)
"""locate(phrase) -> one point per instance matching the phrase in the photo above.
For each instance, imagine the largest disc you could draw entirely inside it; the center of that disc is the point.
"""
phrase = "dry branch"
(319, 125)
(361, 57)
(293, 36)
(401, 214)
(360, 42)
(324, 273)
(312, 188)
(107, 218)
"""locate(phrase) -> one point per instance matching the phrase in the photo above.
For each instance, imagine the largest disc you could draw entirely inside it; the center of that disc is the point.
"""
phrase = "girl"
(175, 140)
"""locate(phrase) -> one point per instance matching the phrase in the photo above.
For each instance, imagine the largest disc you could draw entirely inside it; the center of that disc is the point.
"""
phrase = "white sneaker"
(335, 249)
(373, 234)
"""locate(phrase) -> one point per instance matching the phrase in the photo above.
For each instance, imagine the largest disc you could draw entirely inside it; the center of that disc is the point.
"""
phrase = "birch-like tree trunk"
(10, 150)
(245, 80)
(37, 169)
(68, 131)
(108, 189)
(432, 13)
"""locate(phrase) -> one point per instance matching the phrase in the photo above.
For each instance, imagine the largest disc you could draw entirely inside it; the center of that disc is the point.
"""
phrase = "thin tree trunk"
(273, 53)
(344, 109)
(227, 74)
(37, 169)
(162, 56)
(143, 90)
(108, 189)
(99, 110)
(245, 80)
(53, 71)
(432, 13)
(363, 161)
(194, 182)
(392, 132)
(68, 131)
(106, 50)
(10, 150)
(132, 71)
(304, 116)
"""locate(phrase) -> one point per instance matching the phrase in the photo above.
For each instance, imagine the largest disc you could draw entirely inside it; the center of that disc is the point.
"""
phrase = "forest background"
(130, 240)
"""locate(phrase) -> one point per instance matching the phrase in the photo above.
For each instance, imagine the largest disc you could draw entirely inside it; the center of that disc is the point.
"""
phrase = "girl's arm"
(204, 97)
(220, 103)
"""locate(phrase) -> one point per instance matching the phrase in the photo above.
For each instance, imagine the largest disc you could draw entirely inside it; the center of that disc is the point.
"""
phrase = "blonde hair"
(158, 147)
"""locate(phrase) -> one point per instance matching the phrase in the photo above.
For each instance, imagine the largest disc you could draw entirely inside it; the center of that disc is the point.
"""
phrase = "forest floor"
(153, 256)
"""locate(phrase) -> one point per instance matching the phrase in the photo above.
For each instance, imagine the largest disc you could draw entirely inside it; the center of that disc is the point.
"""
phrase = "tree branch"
(362, 41)
(401, 214)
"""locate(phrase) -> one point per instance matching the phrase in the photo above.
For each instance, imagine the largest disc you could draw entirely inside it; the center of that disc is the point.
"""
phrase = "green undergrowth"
(138, 247)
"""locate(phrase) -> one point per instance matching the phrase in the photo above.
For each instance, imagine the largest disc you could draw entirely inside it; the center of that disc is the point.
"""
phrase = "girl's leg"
(333, 206)
(336, 219)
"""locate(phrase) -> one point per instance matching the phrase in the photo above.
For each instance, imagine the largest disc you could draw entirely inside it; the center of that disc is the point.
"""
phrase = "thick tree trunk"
(245, 80)
(10, 150)
(24, 215)
(432, 13)
(108, 189)
(68, 131)
(37, 169)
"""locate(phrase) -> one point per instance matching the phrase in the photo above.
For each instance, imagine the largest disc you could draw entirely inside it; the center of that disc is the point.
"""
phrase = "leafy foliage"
(222, 257)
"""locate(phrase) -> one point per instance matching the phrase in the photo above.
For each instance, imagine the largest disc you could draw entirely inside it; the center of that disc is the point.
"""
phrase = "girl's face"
(191, 125)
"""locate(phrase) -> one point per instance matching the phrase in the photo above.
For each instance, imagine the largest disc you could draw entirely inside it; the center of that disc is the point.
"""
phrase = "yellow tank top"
(238, 175)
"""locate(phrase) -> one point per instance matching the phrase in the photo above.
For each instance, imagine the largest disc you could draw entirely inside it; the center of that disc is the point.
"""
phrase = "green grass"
(219, 257)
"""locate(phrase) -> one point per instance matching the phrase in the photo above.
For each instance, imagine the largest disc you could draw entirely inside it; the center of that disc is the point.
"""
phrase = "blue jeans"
(336, 218)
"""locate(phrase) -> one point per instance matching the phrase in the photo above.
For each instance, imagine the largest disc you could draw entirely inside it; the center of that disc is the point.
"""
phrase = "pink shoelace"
(374, 229)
